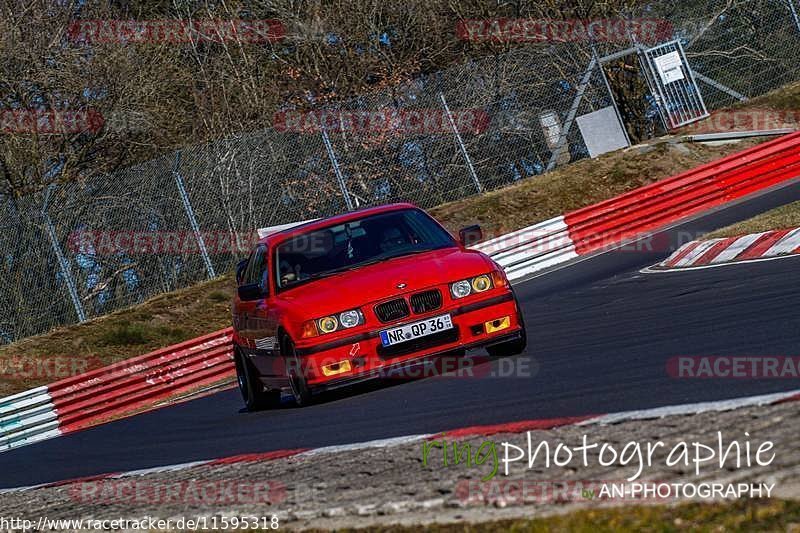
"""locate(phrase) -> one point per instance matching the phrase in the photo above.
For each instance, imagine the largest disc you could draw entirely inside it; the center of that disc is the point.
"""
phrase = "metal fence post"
(63, 265)
(336, 169)
(794, 14)
(187, 206)
(573, 110)
(460, 142)
(611, 95)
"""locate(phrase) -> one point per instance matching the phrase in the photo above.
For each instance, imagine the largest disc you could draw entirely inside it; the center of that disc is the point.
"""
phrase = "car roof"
(303, 227)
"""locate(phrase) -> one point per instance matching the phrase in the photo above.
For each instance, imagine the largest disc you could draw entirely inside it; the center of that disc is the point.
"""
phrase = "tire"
(253, 393)
(297, 381)
(512, 347)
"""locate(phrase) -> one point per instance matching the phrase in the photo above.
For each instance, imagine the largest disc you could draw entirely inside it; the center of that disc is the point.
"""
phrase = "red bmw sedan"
(332, 302)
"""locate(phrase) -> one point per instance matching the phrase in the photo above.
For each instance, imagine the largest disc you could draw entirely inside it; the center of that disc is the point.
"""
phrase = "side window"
(257, 268)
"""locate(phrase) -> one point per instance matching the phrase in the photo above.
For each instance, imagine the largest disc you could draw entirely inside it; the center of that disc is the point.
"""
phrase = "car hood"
(354, 288)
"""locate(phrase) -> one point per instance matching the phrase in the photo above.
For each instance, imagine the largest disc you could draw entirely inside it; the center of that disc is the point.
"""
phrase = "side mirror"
(251, 291)
(470, 235)
(240, 271)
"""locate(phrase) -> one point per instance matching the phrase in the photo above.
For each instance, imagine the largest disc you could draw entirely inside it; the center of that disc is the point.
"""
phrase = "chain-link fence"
(85, 249)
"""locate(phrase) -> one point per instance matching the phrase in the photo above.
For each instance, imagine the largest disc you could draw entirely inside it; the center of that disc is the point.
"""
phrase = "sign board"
(669, 67)
(602, 131)
(551, 127)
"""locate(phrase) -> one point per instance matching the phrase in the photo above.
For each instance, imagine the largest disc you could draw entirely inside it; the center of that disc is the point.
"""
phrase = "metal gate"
(672, 83)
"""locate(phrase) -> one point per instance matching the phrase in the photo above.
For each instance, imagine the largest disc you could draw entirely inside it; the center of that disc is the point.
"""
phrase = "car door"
(244, 305)
(256, 314)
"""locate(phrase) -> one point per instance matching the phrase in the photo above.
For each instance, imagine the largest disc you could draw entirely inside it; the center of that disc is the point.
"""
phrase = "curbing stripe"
(786, 245)
(762, 244)
(681, 252)
(696, 252)
(731, 250)
(739, 245)
(712, 253)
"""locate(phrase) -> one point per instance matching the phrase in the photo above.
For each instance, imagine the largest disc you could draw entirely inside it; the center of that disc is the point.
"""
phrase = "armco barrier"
(116, 390)
(612, 222)
(138, 383)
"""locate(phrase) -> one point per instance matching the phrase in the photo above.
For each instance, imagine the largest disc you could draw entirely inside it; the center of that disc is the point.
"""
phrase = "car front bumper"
(359, 357)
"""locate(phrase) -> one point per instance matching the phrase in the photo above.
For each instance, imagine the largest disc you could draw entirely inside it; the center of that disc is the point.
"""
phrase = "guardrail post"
(63, 264)
(461, 146)
(187, 206)
(336, 169)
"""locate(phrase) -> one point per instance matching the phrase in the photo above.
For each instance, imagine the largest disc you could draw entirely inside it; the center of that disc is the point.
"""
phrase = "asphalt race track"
(600, 335)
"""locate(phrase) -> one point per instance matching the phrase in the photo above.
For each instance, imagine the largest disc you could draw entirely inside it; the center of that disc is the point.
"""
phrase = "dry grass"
(744, 515)
(160, 321)
(784, 217)
(583, 183)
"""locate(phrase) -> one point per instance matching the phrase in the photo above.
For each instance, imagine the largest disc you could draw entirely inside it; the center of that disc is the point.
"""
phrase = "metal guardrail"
(116, 390)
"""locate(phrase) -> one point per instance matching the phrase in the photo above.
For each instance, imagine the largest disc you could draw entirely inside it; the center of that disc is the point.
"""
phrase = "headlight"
(460, 289)
(350, 319)
(481, 283)
(328, 324)
(465, 287)
(332, 323)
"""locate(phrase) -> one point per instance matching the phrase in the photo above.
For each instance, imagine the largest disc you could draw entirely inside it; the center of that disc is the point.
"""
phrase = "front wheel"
(297, 379)
(253, 393)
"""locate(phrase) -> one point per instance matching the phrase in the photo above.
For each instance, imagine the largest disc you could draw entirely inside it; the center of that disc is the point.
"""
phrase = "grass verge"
(784, 217)
(743, 515)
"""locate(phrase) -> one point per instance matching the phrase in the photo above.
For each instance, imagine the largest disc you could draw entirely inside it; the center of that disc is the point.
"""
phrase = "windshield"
(356, 243)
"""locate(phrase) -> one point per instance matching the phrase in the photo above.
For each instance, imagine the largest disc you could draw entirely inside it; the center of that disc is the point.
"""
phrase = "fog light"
(498, 324)
(336, 368)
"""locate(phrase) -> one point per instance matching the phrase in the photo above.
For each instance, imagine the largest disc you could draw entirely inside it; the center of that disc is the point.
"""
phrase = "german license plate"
(423, 328)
